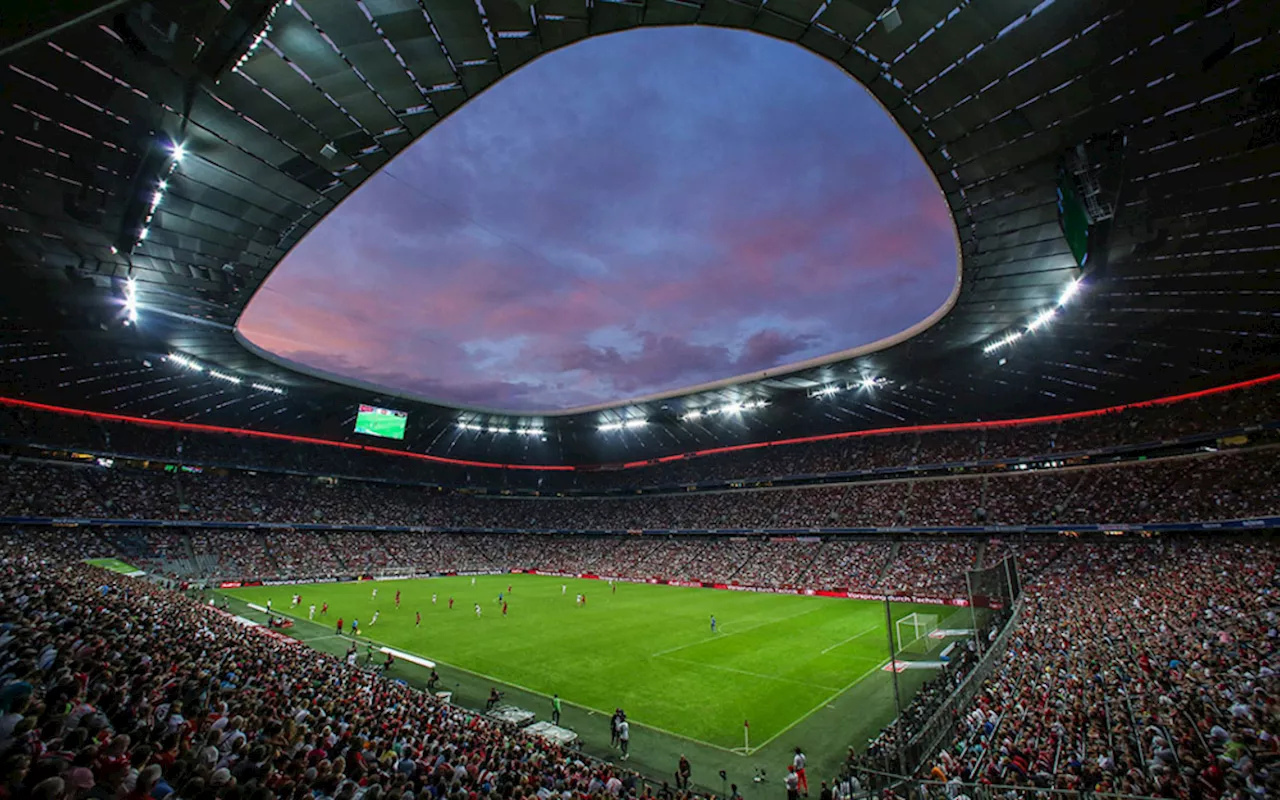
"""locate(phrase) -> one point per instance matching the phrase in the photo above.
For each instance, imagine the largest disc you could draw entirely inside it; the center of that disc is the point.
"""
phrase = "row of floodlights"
(836, 388)
(472, 426)
(728, 409)
(187, 362)
(261, 34)
(176, 153)
(1038, 321)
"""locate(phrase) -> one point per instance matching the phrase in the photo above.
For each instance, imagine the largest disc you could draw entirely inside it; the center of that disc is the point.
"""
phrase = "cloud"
(630, 215)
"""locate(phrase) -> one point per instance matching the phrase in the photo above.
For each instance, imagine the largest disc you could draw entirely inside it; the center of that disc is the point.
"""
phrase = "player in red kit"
(450, 603)
(397, 598)
(339, 626)
(324, 609)
(504, 609)
(418, 620)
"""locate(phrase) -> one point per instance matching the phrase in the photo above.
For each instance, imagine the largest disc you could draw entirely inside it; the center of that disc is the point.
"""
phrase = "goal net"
(913, 632)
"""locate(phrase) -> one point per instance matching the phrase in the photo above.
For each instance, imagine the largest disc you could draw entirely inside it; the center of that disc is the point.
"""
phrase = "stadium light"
(183, 361)
(521, 429)
(1004, 341)
(728, 408)
(826, 391)
(262, 387)
(178, 152)
(222, 376)
(1071, 291)
(631, 424)
(871, 383)
(130, 301)
(1042, 319)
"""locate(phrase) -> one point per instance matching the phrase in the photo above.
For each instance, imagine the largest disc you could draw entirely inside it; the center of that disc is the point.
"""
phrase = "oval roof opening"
(630, 216)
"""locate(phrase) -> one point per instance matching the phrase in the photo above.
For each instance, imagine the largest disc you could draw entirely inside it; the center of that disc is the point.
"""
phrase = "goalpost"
(913, 632)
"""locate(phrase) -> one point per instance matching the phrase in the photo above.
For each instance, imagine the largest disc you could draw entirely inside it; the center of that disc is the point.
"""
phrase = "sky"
(633, 214)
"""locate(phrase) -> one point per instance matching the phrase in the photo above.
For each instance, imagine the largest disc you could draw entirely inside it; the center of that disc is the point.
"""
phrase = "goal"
(913, 632)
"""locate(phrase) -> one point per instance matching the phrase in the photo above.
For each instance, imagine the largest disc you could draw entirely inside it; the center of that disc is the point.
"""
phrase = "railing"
(875, 782)
(942, 723)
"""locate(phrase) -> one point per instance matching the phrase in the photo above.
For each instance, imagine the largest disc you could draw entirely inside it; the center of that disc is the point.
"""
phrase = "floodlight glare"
(1072, 289)
(1042, 319)
(178, 152)
(130, 302)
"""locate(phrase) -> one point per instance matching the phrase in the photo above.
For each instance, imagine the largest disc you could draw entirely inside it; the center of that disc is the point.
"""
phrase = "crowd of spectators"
(1205, 487)
(1206, 414)
(1145, 666)
(1147, 669)
(114, 688)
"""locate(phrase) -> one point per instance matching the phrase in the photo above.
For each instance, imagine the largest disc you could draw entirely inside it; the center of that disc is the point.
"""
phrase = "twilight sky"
(633, 214)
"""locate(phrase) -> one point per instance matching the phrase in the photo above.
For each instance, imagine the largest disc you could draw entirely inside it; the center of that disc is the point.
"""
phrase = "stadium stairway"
(888, 562)
(900, 517)
(980, 559)
(803, 574)
(750, 556)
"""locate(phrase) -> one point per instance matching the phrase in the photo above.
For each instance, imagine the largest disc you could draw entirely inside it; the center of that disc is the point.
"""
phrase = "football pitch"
(774, 661)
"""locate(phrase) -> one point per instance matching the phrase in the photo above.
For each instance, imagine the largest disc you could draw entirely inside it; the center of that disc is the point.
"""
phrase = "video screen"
(383, 422)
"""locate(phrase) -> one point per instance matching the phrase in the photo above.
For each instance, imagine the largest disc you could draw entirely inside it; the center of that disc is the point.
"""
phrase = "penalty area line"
(820, 706)
(760, 675)
(851, 638)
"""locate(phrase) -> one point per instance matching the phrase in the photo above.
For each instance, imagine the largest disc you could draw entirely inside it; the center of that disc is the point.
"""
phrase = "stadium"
(1023, 548)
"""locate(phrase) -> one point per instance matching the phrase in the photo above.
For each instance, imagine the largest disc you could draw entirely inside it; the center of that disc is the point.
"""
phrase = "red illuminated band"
(458, 462)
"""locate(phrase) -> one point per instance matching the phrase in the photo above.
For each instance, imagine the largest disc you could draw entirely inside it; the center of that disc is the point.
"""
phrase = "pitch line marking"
(820, 706)
(738, 751)
(719, 636)
(851, 638)
(747, 672)
(512, 684)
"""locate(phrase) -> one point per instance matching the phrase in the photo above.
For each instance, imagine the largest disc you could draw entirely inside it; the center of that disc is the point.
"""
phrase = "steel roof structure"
(1163, 117)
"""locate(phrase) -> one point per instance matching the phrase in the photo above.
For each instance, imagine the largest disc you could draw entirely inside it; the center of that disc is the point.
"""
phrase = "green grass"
(649, 649)
(115, 565)
(389, 425)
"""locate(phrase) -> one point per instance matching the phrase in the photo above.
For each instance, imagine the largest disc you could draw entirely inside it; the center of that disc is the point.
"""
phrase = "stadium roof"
(1162, 119)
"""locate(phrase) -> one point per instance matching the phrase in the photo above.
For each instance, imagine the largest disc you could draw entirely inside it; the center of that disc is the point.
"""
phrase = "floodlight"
(1072, 289)
(1042, 319)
